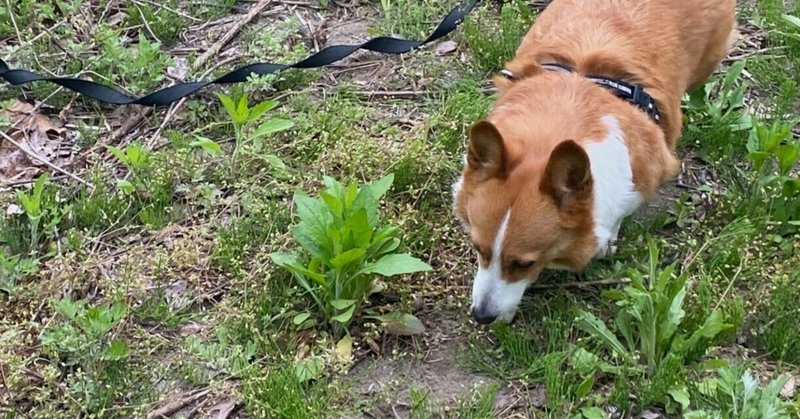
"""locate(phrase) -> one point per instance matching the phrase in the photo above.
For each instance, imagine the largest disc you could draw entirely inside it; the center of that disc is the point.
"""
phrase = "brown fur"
(667, 46)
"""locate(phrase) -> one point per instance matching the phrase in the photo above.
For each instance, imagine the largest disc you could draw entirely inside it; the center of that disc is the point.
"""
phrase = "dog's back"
(668, 46)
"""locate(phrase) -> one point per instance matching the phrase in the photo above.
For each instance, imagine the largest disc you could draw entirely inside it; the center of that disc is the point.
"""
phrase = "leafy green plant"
(137, 159)
(33, 208)
(244, 118)
(344, 248)
(721, 100)
(12, 267)
(650, 320)
(774, 154)
(734, 393)
(83, 339)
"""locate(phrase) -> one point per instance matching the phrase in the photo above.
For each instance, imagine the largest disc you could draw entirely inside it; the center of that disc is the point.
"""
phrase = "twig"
(169, 9)
(147, 25)
(176, 405)
(581, 284)
(30, 153)
(214, 49)
(14, 21)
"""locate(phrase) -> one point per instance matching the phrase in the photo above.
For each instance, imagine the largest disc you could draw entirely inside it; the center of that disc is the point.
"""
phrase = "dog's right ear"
(486, 152)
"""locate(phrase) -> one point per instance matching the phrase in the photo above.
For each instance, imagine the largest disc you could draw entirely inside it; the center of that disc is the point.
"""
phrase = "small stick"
(30, 153)
(581, 284)
(231, 33)
(176, 405)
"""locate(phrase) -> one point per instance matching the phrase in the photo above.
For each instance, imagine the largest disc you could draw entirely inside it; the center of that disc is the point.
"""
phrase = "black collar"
(632, 93)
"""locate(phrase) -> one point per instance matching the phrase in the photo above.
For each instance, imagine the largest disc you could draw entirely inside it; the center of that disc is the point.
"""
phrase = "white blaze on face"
(491, 294)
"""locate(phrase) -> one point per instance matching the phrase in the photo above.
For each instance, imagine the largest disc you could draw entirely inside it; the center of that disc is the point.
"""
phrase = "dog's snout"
(483, 316)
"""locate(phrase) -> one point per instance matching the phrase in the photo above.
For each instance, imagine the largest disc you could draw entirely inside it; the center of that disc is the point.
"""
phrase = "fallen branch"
(173, 406)
(230, 34)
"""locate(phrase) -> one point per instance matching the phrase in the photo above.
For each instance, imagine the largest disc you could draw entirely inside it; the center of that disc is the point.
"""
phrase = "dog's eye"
(522, 264)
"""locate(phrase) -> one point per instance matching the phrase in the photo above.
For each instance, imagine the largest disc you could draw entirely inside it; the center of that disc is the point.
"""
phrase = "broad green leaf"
(207, 144)
(732, 74)
(681, 396)
(388, 245)
(360, 229)
(300, 318)
(116, 350)
(291, 263)
(125, 186)
(272, 126)
(119, 154)
(585, 387)
(401, 324)
(345, 316)
(380, 187)
(333, 203)
(710, 328)
(697, 98)
(309, 369)
(342, 304)
(395, 264)
(593, 413)
(595, 327)
(241, 110)
(342, 260)
(260, 109)
(788, 155)
(793, 20)
(228, 104)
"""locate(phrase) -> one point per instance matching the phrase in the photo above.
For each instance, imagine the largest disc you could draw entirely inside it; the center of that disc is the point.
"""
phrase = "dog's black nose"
(482, 316)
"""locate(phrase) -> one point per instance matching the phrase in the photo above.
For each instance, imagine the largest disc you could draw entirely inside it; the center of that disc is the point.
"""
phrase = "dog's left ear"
(568, 175)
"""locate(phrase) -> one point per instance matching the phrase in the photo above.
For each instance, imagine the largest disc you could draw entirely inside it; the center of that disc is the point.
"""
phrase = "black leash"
(328, 55)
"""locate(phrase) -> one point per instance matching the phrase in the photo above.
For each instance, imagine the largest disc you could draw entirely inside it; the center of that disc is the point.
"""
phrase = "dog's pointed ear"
(568, 175)
(486, 153)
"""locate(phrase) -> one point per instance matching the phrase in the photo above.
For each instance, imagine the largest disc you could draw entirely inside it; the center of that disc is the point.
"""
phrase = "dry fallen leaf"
(788, 389)
(36, 133)
(445, 47)
(221, 410)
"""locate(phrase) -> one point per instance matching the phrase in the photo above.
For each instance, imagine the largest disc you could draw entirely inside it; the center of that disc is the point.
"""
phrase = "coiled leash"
(168, 95)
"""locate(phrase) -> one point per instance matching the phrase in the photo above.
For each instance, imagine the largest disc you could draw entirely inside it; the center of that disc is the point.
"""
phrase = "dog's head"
(527, 192)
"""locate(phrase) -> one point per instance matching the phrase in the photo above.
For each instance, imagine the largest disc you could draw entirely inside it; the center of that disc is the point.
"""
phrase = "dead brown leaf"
(38, 134)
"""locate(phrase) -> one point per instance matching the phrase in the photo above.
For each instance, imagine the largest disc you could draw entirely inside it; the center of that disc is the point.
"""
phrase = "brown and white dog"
(562, 159)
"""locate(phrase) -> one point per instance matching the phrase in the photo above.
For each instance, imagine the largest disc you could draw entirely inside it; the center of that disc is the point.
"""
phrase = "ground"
(147, 274)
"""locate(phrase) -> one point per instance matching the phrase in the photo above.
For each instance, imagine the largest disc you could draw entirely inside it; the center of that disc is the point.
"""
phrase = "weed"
(243, 118)
(83, 343)
(774, 154)
(734, 393)
(344, 249)
(140, 68)
(42, 216)
(650, 321)
(777, 328)
(224, 356)
(13, 268)
(716, 115)
(164, 23)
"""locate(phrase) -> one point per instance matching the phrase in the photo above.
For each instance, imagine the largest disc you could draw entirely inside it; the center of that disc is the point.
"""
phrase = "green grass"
(158, 281)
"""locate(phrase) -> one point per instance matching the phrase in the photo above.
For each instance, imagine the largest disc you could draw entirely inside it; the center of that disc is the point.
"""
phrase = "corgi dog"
(583, 132)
